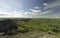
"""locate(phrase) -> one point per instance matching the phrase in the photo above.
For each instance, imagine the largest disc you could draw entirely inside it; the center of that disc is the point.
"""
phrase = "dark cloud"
(48, 1)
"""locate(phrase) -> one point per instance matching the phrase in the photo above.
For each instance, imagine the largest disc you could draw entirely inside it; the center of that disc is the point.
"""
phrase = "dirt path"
(33, 34)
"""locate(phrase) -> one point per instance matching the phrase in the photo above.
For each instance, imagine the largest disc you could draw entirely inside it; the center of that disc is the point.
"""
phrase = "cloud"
(11, 15)
(45, 4)
(53, 4)
(4, 5)
(51, 8)
(45, 12)
(35, 11)
(37, 7)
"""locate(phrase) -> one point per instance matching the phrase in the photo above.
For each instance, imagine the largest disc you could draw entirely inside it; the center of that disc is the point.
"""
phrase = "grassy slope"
(47, 25)
(38, 28)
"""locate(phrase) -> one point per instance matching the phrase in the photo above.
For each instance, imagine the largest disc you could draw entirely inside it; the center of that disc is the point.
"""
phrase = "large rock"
(7, 26)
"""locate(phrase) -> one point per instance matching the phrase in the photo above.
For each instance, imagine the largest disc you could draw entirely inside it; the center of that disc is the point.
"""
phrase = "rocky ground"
(34, 34)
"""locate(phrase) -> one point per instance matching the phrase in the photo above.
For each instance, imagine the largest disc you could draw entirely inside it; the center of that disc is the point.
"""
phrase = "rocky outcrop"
(7, 26)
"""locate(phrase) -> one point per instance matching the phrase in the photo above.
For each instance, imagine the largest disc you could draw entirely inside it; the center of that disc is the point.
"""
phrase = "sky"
(29, 8)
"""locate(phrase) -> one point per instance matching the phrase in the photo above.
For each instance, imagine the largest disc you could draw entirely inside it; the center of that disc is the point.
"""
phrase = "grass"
(46, 25)
(37, 28)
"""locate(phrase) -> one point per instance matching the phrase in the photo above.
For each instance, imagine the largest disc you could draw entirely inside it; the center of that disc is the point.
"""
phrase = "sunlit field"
(30, 28)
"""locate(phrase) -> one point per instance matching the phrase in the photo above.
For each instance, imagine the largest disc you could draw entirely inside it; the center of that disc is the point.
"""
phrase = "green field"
(46, 25)
(36, 28)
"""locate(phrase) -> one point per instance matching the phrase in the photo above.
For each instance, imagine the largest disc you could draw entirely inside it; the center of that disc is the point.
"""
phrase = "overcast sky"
(30, 8)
